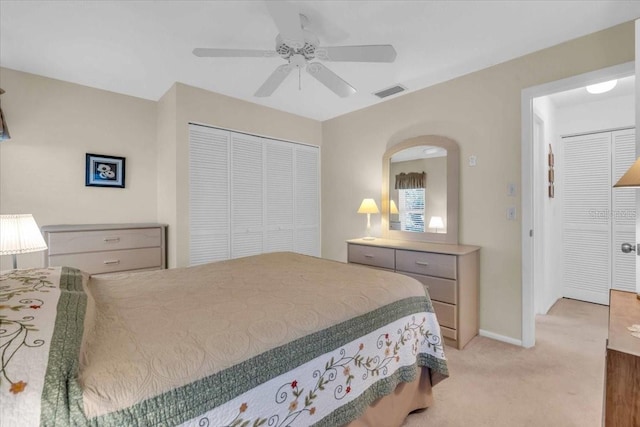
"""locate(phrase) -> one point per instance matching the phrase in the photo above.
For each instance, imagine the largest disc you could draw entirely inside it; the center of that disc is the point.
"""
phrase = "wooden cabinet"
(106, 248)
(449, 272)
(622, 370)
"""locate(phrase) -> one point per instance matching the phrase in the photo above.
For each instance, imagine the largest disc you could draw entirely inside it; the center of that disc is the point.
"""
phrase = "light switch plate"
(473, 160)
(511, 213)
(511, 189)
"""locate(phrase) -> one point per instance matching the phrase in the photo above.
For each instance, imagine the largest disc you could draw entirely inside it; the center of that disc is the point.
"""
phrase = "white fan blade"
(287, 18)
(368, 53)
(320, 25)
(330, 79)
(233, 53)
(275, 79)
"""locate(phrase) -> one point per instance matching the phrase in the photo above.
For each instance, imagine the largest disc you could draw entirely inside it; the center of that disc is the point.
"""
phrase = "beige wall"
(200, 106)
(53, 125)
(481, 111)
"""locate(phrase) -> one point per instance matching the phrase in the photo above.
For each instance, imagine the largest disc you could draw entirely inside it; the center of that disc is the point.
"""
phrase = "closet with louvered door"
(623, 203)
(307, 200)
(250, 195)
(597, 218)
(209, 190)
(247, 195)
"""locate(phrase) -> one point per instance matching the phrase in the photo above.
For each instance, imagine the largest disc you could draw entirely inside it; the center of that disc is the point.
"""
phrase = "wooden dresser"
(106, 248)
(622, 371)
(449, 272)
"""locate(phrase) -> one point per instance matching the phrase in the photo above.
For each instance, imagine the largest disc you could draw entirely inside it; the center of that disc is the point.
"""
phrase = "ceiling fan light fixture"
(602, 87)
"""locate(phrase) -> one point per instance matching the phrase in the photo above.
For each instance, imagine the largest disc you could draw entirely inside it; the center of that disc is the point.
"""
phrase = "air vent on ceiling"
(390, 91)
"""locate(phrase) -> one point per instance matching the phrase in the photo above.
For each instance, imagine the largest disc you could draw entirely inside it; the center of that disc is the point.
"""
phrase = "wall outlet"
(473, 160)
(511, 213)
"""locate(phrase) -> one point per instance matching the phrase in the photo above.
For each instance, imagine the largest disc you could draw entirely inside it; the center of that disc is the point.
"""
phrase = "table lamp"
(436, 222)
(368, 206)
(393, 209)
(19, 234)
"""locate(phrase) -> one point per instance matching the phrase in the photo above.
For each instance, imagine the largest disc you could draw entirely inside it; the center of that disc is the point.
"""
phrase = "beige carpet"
(557, 383)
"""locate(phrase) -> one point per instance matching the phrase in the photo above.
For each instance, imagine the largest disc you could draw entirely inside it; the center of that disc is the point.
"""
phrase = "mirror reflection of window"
(403, 168)
(411, 209)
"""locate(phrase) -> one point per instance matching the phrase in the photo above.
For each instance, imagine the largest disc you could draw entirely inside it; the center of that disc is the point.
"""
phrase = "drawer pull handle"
(111, 239)
(424, 263)
(368, 256)
(116, 261)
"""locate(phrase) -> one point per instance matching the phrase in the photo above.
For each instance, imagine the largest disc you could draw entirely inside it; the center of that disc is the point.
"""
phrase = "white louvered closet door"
(623, 212)
(209, 157)
(307, 200)
(586, 217)
(247, 195)
(279, 194)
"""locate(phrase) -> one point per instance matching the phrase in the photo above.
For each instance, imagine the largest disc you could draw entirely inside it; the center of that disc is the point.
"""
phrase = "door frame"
(531, 264)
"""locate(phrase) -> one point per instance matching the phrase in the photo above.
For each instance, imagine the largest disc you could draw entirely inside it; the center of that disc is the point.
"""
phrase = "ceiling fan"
(298, 46)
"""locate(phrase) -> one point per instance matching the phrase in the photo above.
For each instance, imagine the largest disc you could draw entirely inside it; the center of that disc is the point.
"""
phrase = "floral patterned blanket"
(277, 339)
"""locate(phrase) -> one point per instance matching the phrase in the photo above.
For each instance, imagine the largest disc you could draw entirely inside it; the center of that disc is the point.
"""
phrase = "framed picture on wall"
(104, 171)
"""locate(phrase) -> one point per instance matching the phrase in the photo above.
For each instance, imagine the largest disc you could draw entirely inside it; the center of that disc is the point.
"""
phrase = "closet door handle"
(628, 247)
(423, 263)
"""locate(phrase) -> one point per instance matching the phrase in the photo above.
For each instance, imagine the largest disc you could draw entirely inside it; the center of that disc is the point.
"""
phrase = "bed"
(278, 339)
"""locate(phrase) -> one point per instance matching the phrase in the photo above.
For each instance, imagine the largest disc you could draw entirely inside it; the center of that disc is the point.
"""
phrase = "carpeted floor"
(557, 383)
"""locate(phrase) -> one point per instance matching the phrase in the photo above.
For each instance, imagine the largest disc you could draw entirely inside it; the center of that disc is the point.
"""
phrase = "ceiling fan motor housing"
(308, 51)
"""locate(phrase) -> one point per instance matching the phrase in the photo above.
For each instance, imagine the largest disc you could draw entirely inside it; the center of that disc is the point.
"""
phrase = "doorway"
(539, 266)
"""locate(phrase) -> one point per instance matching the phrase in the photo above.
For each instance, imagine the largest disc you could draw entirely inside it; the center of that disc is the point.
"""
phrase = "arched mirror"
(420, 190)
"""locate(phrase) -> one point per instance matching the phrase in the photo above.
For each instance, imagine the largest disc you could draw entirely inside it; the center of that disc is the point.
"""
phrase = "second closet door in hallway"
(597, 218)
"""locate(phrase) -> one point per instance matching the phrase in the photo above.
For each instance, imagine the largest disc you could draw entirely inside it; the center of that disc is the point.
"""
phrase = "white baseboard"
(499, 337)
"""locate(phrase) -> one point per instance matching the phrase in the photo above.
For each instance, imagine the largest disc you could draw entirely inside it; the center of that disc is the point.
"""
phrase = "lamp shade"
(631, 177)
(368, 206)
(436, 222)
(393, 208)
(20, 234)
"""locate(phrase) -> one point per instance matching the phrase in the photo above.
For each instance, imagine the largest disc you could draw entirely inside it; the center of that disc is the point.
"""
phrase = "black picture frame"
(104, 171)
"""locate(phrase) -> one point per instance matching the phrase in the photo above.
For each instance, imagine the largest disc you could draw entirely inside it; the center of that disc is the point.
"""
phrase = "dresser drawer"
(111, 261)
(446, 314)
(443, 290)
(430, 264)
(70, 242)
(371, 255)
(449, 333)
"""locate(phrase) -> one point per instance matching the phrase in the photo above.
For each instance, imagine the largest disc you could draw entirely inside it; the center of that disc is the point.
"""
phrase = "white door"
(597, 218)
(637, 282)
(247, 195)
(279, 193)
(623, 212)
(209, 196)
(586, 222)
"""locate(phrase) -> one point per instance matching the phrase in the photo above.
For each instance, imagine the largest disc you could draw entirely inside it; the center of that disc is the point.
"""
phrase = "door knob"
(627, 248)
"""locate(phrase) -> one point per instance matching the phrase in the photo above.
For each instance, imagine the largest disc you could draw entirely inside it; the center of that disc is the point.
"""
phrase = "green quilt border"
(61, 403)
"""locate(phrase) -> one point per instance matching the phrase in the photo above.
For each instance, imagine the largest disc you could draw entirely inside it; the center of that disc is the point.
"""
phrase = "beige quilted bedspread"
(147, 333)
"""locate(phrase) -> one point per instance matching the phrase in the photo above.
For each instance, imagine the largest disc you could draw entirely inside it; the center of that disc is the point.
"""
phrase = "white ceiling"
(141, 48)
(624, 87)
